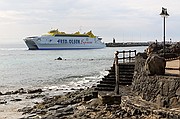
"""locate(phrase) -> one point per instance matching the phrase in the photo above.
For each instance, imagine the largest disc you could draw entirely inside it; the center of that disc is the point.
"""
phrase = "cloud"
(116, 18)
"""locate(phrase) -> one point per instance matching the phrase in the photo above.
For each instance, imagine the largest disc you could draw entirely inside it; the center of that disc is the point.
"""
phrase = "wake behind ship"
(56, 40)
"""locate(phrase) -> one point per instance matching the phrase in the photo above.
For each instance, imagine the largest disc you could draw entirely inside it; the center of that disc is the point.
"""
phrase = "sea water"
(31, 69)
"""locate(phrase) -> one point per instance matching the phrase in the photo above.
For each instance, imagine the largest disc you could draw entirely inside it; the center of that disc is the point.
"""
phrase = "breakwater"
(127, 44)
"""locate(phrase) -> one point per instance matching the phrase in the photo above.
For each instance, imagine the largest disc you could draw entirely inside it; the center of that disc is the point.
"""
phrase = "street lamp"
(164, 14)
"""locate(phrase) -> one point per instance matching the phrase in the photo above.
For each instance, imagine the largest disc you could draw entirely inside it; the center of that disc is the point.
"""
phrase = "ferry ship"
(56, 40)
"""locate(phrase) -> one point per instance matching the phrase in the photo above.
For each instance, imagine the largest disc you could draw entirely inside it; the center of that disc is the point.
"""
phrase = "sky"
(124, 20)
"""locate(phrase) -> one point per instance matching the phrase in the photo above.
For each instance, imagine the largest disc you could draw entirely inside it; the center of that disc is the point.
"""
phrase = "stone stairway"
(126, 75)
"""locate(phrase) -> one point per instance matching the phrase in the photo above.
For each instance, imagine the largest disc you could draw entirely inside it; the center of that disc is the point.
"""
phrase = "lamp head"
(164, 12)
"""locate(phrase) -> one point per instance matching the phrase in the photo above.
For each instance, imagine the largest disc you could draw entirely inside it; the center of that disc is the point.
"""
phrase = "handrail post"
(123, 56)
(116, 73)
(129, 55)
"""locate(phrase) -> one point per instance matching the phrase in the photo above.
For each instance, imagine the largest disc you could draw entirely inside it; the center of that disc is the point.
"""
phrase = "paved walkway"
(173, 64)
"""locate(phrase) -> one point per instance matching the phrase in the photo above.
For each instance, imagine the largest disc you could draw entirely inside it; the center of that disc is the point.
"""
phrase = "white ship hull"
(49, 42)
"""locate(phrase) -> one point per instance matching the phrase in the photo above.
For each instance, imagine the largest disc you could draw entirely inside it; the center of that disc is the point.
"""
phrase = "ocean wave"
(71, 83)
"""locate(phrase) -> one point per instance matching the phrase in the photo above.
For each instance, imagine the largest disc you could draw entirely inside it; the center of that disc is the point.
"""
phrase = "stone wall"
(163, 90)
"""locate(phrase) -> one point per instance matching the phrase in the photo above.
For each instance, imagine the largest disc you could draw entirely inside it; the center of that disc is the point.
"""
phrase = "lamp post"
(164, 14)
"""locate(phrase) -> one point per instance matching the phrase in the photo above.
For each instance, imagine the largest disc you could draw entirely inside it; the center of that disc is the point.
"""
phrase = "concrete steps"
(125, 78)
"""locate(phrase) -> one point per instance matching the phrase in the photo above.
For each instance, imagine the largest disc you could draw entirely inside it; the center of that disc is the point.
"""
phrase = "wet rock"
(16, 100)
(59, 58)
(73, 89)
(15, 92)
(34, 96)
(81, 89)
(34, 91)
(21, 91)
(7, 93)
(25, 110)
(3, 102)
(1, 93)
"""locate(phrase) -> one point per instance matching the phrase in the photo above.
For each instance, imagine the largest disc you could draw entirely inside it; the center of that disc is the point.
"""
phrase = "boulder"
(155, 65)
(34, 91)
(175, 48)
(59, 58)
(158, 48)
(143, 55)
(178, 91)
(16, 100)
(153, 48)
(3, 101)
(88, 97)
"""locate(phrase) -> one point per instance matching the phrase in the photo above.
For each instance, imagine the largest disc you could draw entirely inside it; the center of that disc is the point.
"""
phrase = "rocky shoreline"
(88, 103)
(80, 104)
(11, 102)
(85, 103)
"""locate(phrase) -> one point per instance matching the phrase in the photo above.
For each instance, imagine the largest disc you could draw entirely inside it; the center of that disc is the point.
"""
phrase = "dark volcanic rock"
(7, 93)
(34, 91)
(3, 101)
(1, 93)
(155, 65)
(59, 58)
(34, 96)
(16, 100)
(25, 109)
(21, 91)
(88, 97)
(171, 50)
